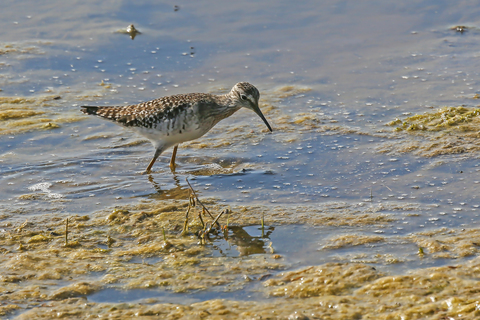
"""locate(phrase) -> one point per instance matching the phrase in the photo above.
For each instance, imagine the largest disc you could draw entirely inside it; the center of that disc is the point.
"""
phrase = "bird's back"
(152, 113)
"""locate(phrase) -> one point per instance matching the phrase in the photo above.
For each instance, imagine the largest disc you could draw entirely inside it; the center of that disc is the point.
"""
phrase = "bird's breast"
(184, 126)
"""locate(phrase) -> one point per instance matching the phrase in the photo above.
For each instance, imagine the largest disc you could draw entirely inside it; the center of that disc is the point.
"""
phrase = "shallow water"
(331, 77)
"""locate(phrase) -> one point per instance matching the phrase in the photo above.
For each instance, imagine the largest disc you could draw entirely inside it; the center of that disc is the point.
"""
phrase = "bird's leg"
(172, 160)
(158, 152)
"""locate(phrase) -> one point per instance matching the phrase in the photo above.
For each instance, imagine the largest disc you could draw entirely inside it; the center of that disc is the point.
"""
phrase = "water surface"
(331, 76)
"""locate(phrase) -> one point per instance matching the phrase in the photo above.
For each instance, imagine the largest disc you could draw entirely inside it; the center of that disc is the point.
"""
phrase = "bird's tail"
(120, 115)
(107, 112)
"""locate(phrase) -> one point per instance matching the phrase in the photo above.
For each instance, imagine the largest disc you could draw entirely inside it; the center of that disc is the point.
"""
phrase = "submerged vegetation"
(448, 118)
(51, 266)
(448, 130)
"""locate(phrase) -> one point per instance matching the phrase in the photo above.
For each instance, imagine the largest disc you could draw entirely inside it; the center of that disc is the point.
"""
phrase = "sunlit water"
(366, 64)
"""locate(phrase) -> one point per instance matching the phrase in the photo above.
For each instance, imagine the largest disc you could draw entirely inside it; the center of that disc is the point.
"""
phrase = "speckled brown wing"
(147, 114)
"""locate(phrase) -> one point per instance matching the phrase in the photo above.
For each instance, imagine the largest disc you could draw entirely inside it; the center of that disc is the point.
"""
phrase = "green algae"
(448, 130)
(36, 266)
(460, 118)
(41, 112)
(328, 291)
(20, 48)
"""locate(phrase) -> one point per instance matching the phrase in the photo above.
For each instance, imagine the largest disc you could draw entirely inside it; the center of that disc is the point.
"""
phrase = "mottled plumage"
(168, 121)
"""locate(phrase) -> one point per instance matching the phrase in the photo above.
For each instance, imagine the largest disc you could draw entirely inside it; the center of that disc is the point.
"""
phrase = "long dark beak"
(260, 114)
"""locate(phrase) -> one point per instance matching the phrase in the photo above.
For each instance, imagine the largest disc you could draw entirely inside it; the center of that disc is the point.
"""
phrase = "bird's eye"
(243, 97)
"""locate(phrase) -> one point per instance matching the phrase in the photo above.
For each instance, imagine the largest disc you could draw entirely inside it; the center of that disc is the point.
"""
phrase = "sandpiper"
(169, 121)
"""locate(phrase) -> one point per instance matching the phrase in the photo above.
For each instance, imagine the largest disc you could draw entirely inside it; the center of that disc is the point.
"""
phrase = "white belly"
(164, 136)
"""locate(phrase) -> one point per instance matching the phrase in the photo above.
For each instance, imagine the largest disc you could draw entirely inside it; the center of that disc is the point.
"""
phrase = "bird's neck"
(227, 100)
(226, 106)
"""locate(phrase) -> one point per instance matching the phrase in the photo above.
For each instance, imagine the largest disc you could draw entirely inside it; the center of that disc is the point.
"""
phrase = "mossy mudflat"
(447, 130)
(448, 118)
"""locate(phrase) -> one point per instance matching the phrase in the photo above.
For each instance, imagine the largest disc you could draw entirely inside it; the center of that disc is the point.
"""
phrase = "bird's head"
(247, 96)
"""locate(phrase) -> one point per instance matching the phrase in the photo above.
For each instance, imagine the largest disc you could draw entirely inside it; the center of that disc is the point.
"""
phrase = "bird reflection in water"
(232, 237)
(239, 239)
(178, 192)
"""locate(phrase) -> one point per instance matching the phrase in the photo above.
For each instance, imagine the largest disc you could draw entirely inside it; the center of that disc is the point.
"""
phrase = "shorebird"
(171, 120)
